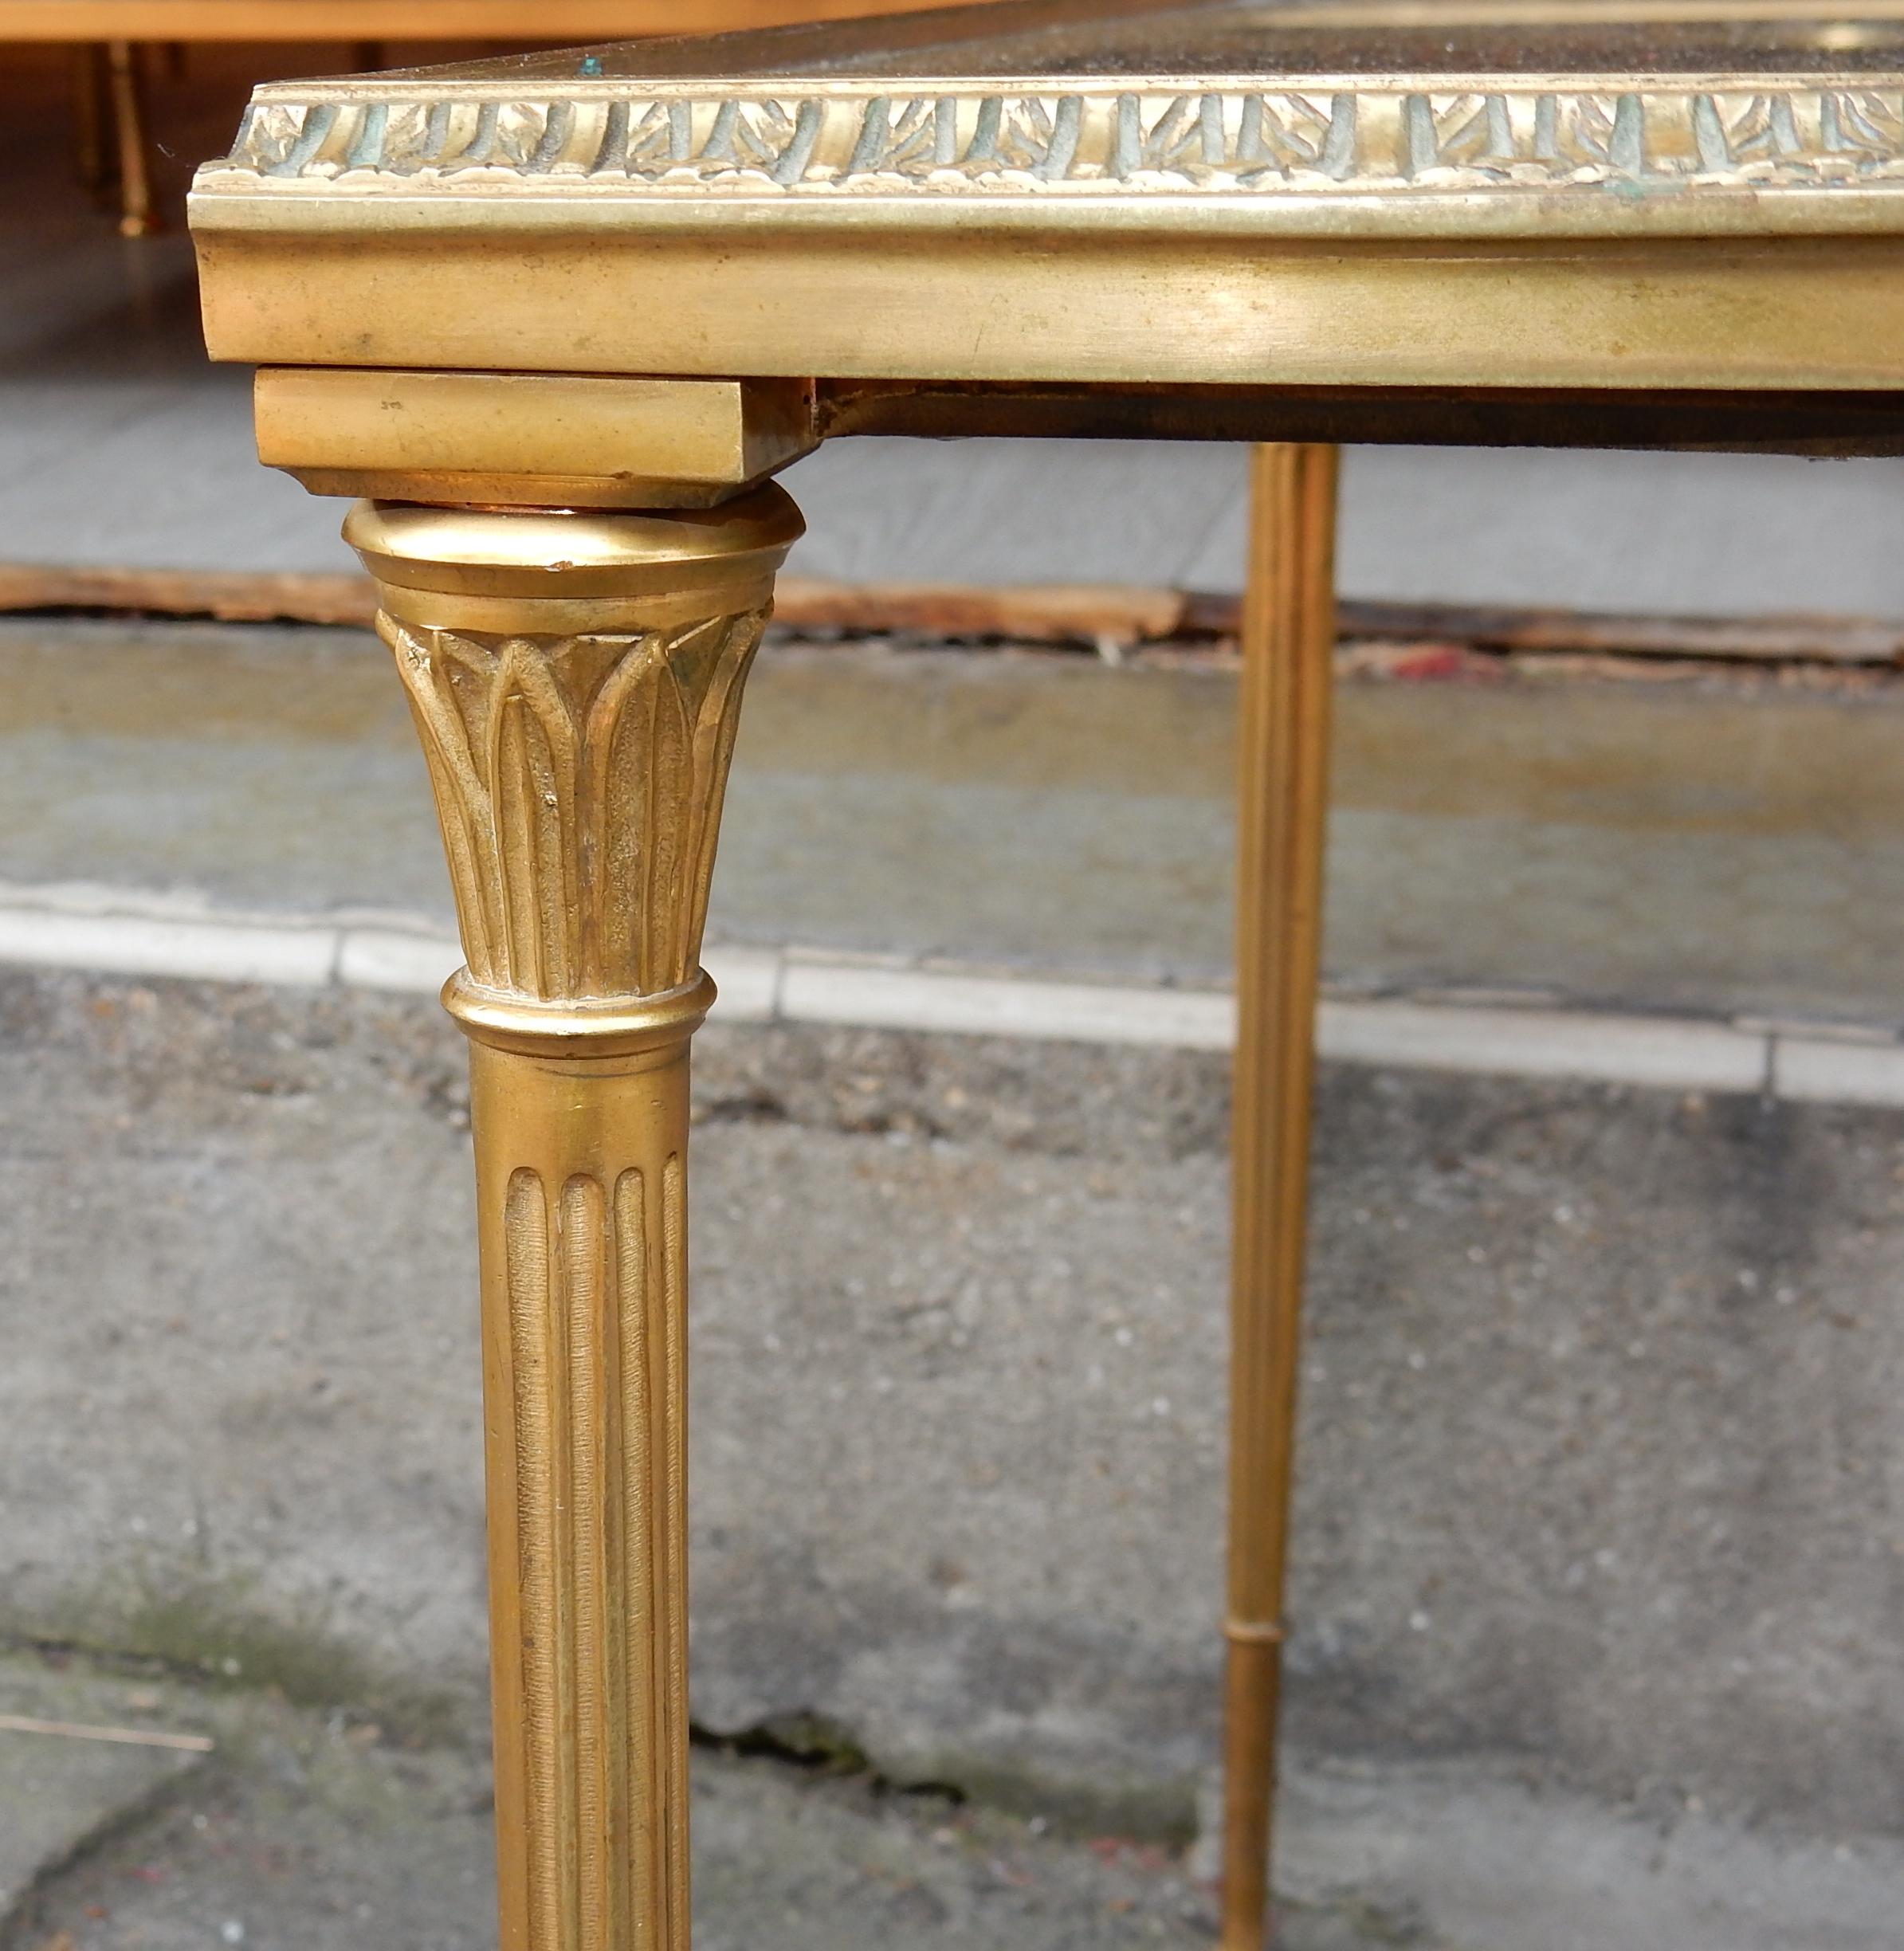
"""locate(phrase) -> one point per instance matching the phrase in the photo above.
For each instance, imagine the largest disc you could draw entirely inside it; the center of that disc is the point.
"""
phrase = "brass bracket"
(530, 440)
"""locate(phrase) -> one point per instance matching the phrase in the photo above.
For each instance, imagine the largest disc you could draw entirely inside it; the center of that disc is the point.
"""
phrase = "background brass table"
(559, 319)
(106, 36)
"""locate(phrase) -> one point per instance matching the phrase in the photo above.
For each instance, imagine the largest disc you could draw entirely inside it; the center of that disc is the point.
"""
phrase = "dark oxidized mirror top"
(1162, 41)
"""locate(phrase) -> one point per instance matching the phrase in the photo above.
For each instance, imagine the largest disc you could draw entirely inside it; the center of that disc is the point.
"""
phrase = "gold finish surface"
(1289, 639)
(583, 1217)
(465, 437)
(546, 574)
(578, 722)
(1457, 141)
(995, 303)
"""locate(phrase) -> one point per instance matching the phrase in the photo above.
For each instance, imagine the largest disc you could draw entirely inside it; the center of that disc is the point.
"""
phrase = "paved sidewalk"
(306, 1831)
(1717, 847)
(63, 1793)
(1601, 1399)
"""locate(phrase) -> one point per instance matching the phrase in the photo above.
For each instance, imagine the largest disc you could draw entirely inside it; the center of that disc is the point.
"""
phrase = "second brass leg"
(1289, 642)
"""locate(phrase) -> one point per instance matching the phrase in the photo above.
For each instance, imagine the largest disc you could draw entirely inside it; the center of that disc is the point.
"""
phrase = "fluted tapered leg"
(1289, 637)
(576, 682)
(582, 1185)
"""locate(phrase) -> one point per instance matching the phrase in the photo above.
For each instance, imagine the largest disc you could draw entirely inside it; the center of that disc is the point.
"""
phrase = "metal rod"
(1289, 635)
(128, 86)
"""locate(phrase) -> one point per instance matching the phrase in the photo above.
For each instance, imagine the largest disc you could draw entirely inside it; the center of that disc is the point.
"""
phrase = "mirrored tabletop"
(1167, 40)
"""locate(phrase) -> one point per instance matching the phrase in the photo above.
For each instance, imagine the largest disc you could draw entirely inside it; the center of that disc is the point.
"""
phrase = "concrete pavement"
(1600, 1410)
(305, 1831)
(1718, 845)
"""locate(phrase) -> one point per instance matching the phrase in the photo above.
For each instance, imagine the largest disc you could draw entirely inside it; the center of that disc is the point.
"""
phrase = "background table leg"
(576, 682)
(128, 90)
(1289, 637)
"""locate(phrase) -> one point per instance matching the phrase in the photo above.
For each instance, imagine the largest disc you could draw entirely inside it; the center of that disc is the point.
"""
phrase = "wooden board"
(1055, 614)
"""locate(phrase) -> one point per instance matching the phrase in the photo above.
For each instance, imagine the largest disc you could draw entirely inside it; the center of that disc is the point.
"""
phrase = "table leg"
(127, 87)
(1289, 635)
(576, 681)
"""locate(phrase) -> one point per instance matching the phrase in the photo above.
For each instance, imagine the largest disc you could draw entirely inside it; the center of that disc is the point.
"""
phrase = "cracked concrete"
(309, 1831)
(1600, 1433)
(1713, 846)
(63, 1794)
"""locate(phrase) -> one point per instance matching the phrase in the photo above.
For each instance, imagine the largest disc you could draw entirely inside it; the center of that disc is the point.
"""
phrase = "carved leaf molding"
(1277, 140)
(579, 781)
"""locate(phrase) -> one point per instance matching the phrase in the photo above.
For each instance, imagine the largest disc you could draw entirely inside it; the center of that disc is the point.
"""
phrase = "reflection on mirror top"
(1162, 41)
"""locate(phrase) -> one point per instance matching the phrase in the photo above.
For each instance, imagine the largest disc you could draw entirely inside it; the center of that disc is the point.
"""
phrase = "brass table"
(558, 321)
(106, 36)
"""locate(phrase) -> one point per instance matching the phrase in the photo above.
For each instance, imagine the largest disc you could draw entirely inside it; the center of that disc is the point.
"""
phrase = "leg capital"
(576, 682)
